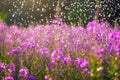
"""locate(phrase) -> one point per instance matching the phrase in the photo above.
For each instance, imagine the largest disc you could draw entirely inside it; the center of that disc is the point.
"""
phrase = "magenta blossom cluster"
(59, 52)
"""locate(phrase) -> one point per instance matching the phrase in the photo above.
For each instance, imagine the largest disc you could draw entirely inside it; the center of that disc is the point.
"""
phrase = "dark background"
(25, 12)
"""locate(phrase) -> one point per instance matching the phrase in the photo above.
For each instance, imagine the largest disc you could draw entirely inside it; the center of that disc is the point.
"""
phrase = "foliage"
(3, 16)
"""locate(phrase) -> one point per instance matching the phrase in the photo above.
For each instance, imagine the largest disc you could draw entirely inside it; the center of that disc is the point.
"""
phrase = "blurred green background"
(3, 16)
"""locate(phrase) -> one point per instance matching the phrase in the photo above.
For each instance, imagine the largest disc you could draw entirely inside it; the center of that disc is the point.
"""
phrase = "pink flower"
(82, 62)
(46, 77)
(24, 72)
(2, 65)
(50, 78)
(8, 78)
(67, 59)
(56, 55)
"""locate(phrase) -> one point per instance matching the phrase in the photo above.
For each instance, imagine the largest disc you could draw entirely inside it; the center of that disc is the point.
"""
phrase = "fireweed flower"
(50, 78)
(8, 78)
(110, 47)
(98, 51)
(58, 21)
(111, 36)
(77, 43)
(46, 77)
(54, 21)
(23, 72)
(105, 24)
(0, 39)
(11, 67)
(67, 60)
(56, 55)
(2, 65)
(32, 77)
(117, 48)
(91, 24)
(87, 70)
(82, 62)
(17, 50)
(2, 27)
(44, 51)
(30, 45)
